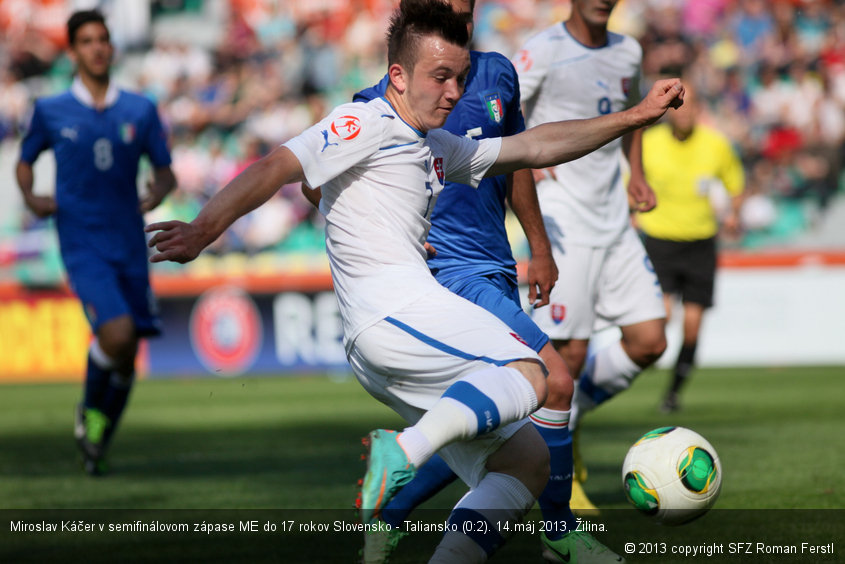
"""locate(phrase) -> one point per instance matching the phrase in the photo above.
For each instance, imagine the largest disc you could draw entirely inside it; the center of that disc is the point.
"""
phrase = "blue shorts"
(109, 290)
(500, 296)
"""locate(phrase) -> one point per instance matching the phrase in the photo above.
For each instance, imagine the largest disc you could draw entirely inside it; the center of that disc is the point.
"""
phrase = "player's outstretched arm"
(181, 242)
(550, 144)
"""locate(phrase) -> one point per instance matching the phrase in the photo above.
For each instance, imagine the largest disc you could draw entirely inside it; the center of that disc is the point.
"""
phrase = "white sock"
(614, 370)
(550, 418)
(99, 356)
(497, 499)
(606, 373)
(474, 405)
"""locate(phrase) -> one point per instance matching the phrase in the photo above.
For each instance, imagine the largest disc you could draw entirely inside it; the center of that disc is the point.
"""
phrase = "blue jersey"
(468, 224)
(97, 154)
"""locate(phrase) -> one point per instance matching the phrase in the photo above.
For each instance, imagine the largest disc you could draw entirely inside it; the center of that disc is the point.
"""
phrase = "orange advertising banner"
(43, 338)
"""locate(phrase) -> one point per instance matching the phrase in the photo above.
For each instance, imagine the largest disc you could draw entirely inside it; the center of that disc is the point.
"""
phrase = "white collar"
(81, 93)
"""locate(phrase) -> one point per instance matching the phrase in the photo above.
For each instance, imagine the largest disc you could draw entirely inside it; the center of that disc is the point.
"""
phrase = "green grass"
(294, 444)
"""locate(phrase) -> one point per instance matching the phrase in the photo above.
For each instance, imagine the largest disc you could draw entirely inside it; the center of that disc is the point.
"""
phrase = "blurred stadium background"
(234, 78)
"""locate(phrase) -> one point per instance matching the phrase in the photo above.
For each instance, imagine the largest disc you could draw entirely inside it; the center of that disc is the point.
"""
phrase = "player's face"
(594, 12)
(437, 81)
(92, 50)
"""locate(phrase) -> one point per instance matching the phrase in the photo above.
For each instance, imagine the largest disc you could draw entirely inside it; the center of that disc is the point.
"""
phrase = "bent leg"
(516, 473)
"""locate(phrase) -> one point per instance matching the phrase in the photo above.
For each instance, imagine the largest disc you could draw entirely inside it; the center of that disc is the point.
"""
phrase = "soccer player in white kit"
(573, 70)
(461, 378)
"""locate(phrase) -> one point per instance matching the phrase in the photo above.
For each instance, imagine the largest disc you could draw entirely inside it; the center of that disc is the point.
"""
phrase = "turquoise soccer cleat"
(388, 469)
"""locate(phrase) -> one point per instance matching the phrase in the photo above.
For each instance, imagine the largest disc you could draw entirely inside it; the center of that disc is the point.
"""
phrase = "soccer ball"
(672, 474)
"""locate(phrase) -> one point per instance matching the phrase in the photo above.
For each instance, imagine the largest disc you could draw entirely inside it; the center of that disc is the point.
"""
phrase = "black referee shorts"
(685, 268)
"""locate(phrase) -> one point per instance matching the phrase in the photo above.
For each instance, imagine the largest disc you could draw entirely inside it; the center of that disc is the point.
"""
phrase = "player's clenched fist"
(666, 93)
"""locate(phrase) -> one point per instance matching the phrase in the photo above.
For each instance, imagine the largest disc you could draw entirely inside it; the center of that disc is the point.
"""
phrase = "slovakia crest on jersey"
(558, 312)
(494, 107)
(626, 86)
(346, 127)
(438, 169)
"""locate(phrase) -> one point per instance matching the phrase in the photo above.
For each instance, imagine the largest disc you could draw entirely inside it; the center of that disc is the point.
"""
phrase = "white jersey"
(380, 179)
(561, 79)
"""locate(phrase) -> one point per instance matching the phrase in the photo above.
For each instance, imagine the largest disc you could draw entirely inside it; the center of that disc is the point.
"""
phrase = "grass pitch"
(288, 449)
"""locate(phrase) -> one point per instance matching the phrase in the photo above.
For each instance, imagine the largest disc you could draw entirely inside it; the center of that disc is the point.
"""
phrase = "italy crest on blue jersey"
(494, 107)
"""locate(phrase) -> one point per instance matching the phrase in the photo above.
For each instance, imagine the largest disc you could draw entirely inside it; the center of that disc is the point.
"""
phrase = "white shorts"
(409, 359)
(600, 287)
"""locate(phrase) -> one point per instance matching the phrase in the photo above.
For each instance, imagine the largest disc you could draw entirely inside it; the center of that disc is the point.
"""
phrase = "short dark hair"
(416, 18)
(471, 3)
(80, 18)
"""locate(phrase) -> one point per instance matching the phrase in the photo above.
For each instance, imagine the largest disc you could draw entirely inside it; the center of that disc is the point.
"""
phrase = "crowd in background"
(772, 74)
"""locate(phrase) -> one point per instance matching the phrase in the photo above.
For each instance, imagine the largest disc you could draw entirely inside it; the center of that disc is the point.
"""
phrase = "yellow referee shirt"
(682, 174)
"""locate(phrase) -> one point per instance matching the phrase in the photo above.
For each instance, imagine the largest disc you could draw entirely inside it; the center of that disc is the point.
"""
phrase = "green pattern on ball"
(654, 434)
(640, 495)
(697, 470)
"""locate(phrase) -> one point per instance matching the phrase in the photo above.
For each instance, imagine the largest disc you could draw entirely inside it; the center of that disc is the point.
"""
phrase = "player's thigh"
(135, 284)
(415, 354)
(570, 313)
(628, 289)
(498, 295)
(667, 258)
(97, 284)
(700, 273)
(524, 456)
(468, 459)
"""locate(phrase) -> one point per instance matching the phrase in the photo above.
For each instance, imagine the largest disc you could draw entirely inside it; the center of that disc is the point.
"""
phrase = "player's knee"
(122, 348)
(646, 351)
(118, 339)
(651, 349)
(559, 382)
(646, 344)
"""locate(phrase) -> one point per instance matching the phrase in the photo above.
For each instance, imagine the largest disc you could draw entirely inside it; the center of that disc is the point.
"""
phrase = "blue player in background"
(98, 134)
(469, 254)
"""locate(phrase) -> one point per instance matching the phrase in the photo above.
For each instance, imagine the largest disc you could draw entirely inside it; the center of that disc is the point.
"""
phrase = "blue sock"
(96, 384)
(116, 397)
(554, 501)
(431, 477)
(587, 386)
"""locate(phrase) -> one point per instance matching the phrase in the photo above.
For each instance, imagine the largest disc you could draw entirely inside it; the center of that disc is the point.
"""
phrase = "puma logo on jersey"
(326, 144)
